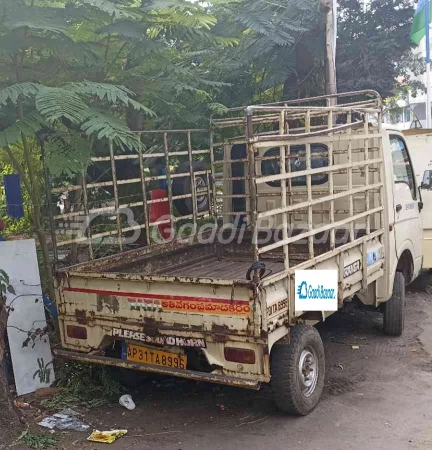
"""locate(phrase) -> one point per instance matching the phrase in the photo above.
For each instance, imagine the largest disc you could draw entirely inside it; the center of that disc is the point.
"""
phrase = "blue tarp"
(14, 200)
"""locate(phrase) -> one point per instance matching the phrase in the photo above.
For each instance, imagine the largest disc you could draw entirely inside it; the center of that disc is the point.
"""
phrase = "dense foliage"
(374, 47)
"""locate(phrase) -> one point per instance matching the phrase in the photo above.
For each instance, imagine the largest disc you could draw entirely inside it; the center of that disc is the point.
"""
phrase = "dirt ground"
(378, 396)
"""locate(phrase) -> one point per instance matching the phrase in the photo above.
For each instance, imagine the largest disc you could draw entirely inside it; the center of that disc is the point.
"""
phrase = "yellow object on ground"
(107, 437)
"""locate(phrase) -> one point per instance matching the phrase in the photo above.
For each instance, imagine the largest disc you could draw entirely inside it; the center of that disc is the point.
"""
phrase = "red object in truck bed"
(161, 211)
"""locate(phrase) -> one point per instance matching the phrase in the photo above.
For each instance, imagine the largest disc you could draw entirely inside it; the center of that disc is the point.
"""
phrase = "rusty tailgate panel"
(188, 307)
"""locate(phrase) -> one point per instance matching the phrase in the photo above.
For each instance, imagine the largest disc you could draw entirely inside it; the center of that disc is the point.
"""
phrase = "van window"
(402, 169)
(272, 166)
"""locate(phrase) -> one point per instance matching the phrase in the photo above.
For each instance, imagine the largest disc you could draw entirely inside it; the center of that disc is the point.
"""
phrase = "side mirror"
(420, 203)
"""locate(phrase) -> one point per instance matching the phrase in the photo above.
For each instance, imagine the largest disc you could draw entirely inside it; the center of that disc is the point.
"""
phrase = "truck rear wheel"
(394, 309)
(298, 371)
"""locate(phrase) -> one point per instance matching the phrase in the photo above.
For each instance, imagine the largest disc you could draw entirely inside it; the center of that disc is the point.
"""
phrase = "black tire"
(290, 390)
(182, 186)
(394, 309)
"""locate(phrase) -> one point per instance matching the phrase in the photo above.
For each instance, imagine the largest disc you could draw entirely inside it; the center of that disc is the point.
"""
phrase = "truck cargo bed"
(200, 260)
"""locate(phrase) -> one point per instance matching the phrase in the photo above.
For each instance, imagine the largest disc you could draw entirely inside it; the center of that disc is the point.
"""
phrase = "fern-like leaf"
(28, 126)
(11, 93)
(111, 93)
(56, 103)
(110, 128)
(67, 155)
(127, 28)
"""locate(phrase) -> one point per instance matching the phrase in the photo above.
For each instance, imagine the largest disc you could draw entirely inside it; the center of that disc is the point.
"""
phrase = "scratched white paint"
(18, 259)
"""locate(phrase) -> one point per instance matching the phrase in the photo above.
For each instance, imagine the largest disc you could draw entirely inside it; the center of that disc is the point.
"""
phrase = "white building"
(412, 112)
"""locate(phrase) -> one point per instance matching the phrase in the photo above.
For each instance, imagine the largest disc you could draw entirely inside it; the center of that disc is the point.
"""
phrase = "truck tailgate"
(152, 306)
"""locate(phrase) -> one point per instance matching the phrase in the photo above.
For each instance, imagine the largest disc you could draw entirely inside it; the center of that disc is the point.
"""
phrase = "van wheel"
(182, 186)
(298, 371)
(394, 309)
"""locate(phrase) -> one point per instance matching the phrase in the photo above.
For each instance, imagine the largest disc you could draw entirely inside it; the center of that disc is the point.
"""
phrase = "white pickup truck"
(310, 205)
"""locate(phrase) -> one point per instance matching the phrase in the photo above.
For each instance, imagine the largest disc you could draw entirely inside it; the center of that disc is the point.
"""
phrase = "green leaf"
(103, 91)
(102, 126)
(4, 275)
(126, 28)
(28, 126)
(17, 14)
(56, 103)
(218, 108)
(11, 93)
(67, 155)
(140, 107)
(11, 290)
(109, 92)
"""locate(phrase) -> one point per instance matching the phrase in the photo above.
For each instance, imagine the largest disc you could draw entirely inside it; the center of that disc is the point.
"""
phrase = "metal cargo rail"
(280, 125)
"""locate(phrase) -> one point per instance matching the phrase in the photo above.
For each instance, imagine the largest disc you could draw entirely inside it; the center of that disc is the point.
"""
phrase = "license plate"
(146, 355)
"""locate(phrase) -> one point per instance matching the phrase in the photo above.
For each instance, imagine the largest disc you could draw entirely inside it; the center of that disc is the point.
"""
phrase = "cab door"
(426, 190)
(407, 203)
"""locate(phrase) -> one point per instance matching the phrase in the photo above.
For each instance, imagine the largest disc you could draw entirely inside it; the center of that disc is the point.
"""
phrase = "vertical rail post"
(168, 178)
(192, 183)
(367, 180)
(283, 151)
(144, 192)
(116, 198)
(381, 171)
(288, 170)
(367, 202)
(212, 201)
(331, 184)
(86, 212)
(252, 185)
(350, 179)
(309, 185)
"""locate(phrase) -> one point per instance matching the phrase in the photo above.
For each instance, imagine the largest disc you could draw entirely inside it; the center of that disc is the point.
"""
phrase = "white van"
(420, 145)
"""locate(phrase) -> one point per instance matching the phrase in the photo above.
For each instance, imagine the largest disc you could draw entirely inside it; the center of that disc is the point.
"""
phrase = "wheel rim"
(200, 183)
(308, 371)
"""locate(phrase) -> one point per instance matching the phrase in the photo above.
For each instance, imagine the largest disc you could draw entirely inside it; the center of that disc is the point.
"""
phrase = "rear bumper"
(188, 374)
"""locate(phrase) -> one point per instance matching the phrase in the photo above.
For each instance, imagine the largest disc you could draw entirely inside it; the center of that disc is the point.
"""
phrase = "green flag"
(418, 28)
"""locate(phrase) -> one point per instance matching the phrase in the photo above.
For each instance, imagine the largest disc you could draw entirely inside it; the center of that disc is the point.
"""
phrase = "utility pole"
(330, 8)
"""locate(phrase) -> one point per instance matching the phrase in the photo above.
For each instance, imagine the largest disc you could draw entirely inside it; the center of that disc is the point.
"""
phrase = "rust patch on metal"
(220, 329)
(110, 302)
(81, 316)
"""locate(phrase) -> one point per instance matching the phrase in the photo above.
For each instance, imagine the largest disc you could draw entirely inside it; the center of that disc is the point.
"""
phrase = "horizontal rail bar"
(317, 201)
(319, 139)
(321, 258)
(318, 171)
(315, 231)
(307, 135)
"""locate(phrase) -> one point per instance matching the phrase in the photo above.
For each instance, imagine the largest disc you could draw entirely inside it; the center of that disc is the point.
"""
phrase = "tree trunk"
(10, 424)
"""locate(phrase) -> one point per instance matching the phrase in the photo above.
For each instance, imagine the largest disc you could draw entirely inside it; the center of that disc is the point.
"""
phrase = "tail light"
(76, 332)
(239, 355)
